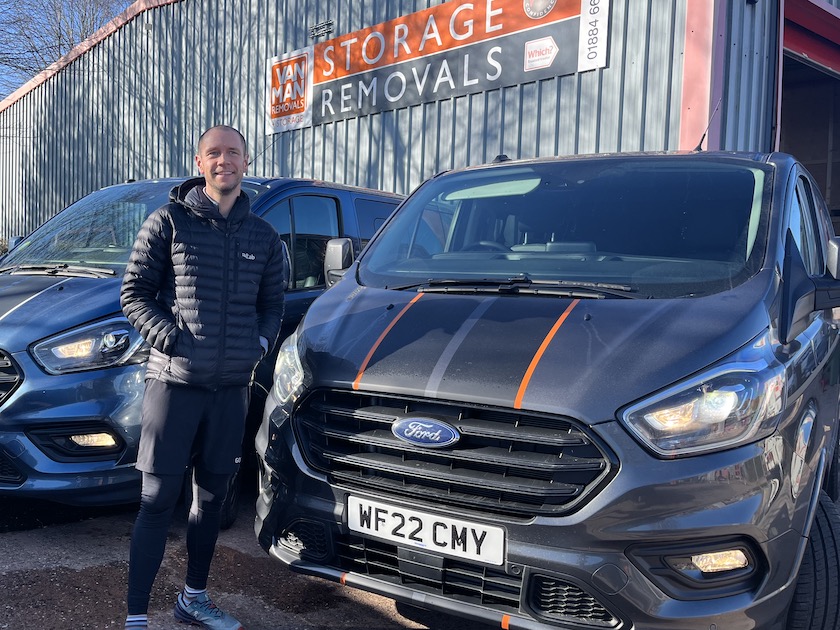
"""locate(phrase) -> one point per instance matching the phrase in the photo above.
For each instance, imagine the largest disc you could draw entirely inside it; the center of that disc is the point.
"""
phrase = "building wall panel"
(133, 105)
(747, 96)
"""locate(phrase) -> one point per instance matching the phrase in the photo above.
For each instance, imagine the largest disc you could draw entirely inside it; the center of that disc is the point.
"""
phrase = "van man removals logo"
(289, 87)
(537, 9)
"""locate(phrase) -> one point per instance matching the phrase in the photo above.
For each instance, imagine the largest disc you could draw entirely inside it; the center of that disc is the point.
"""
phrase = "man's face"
(223, 162)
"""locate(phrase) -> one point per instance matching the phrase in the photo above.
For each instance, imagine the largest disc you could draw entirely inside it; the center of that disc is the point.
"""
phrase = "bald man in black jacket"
(205, 288)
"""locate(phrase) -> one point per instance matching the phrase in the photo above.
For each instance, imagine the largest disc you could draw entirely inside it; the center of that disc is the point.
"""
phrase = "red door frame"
(810, 30)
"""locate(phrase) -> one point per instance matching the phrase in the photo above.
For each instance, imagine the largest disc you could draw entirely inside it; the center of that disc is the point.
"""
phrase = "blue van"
(71, 366)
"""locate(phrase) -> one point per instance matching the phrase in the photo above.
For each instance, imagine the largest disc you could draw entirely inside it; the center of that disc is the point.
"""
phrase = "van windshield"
(95, 233)
(649, 226)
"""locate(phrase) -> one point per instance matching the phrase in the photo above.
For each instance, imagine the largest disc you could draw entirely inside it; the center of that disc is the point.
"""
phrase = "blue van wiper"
(61, 269)
(523, 284)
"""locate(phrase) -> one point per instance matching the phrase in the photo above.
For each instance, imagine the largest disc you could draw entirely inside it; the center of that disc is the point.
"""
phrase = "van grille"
(550, 598)
(485, 586)
(506, 462)
(561, 600)
(9, 474)
(10, 376)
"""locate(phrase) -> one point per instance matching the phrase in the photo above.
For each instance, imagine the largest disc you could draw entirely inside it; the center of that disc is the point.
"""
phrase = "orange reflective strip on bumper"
(517, 403)
(381, 339)
(505, 622)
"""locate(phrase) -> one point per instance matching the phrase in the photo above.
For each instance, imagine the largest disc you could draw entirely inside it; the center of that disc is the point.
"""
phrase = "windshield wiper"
(61, 269)
(523, 284)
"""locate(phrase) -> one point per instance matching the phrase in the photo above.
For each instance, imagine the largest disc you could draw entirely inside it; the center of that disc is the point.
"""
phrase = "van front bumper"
(43, 424)
(608, 565)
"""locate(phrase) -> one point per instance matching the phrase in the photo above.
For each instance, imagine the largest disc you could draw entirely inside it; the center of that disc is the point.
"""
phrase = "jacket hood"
(190, 194)
(34, 307)
(581, 358)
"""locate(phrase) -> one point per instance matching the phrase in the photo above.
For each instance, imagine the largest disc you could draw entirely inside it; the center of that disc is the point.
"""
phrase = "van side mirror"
(14, 241)
(832, 257)
(338, 259)
(828, 287)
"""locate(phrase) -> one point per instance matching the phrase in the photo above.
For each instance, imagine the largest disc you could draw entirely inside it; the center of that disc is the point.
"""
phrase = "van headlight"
(104, 344)
(733, 403)
(288, 372)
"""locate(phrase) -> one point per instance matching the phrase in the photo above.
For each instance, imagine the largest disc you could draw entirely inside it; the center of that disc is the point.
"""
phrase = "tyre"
(230, 508)
(816, 600)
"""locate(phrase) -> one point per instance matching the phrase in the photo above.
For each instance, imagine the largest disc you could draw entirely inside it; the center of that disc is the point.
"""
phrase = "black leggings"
(157, 504)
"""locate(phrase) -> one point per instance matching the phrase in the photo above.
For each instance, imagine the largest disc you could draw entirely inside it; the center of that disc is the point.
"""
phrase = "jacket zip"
(225, 270)
(237, 254)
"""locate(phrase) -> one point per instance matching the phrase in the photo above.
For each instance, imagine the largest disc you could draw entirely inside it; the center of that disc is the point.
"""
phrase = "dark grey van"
(588, 392)
(71, 366)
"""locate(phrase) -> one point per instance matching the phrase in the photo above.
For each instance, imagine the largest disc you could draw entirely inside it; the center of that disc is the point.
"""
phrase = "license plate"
(432, 532)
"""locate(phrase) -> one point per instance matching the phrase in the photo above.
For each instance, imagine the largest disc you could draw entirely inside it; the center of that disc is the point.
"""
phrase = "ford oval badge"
(426, 432)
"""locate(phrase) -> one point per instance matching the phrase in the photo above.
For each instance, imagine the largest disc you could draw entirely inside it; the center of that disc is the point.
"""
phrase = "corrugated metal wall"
(133, 106)
(746, 92)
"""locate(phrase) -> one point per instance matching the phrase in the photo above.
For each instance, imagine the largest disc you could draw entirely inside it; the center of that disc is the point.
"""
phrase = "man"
(204, 287)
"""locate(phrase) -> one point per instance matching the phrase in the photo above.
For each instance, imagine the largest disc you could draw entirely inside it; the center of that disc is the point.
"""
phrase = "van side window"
(371, 215)
(803, 228)
(306, 223)
(314, 222)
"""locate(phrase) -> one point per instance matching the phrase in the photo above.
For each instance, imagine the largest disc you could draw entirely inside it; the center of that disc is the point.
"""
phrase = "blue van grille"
(9, 474)
(10, 376)
(506, 462)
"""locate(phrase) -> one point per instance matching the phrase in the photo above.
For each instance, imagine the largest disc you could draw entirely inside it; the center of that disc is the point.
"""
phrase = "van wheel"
(816, 600)
(230, 508)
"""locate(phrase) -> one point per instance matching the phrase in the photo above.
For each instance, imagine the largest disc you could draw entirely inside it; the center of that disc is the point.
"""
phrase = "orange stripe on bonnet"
(517, 403)
(381, 339)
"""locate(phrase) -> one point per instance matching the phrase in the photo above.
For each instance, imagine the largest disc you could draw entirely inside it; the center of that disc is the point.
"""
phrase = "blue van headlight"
(104, 344)
(288, 372)
(732, 403)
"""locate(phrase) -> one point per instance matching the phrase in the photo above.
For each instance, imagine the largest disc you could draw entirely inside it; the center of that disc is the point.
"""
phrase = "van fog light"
(94, 440)
(85, 440)
(716, 562)
(697, 569)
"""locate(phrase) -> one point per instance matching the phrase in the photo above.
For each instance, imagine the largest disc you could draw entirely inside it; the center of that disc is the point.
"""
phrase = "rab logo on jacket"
(248, 256)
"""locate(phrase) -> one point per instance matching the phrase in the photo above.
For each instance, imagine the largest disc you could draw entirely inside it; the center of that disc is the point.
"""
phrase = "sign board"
(448, 50)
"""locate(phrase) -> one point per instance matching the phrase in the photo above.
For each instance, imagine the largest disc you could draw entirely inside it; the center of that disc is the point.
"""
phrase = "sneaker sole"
(182, 617)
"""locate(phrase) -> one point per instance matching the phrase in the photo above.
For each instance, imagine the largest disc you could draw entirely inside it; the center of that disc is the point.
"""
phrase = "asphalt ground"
(65, 569)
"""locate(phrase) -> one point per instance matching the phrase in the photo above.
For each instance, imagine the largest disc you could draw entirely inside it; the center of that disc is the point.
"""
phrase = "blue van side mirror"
(832, 257)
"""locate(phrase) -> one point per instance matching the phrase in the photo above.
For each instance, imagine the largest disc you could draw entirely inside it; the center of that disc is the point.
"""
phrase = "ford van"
(71, 366)
(585, 392)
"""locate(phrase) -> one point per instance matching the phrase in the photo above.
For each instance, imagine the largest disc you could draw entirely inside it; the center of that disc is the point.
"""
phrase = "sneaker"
(203, 612)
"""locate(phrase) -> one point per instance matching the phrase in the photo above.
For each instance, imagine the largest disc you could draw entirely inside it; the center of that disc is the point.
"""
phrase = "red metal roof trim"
(817, 50)
(817, 16)
(812, 31)
(139, 7)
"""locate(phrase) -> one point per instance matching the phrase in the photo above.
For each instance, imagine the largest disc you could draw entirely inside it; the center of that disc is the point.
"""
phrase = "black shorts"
(183, 425)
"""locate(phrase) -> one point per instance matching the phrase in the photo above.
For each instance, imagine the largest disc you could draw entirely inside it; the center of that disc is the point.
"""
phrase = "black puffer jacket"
(202, 289)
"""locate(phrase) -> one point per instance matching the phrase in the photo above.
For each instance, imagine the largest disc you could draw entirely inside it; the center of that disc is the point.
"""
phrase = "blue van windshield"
(660, 226)
(99, 230)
